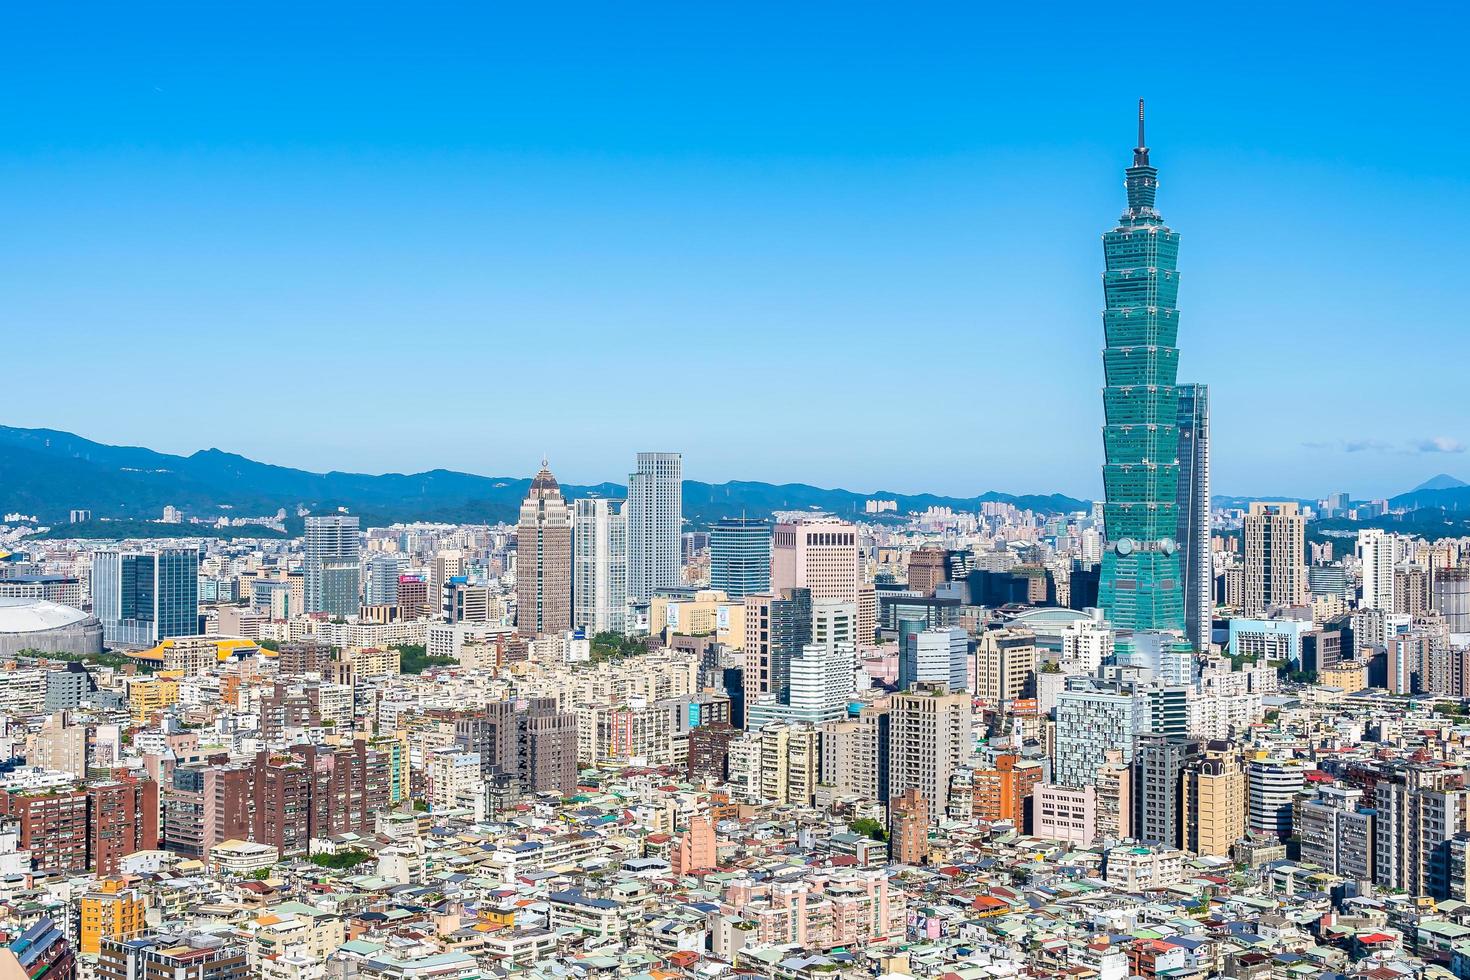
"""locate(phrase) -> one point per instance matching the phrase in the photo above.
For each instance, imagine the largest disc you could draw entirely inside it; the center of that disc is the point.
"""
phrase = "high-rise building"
(935, 656)
(1192, 499)
(544, 558)
(1005, 665)
(1418, 812)
(1272, 786)
(600, 564)
(1141, 588)
(1275, 557)
(655, 523)
(1336, 829)
(1452, 598)
(333, 570)
(384, 571)
(1214, 800)
(777, 627)
(1159, 763)
(528, 742)
(1093, 720)
(144, 597)
(1380, 552)
(929, 739)
(928, 568)
(740, 556)
(820, 554)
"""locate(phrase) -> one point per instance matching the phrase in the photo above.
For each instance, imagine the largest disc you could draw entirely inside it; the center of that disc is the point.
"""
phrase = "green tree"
(869, 828)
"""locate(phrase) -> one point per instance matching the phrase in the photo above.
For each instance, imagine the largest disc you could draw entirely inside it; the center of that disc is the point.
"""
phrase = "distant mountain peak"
(1441, 481)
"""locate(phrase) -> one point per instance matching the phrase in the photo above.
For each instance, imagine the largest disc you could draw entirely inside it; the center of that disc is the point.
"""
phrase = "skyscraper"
(332, 570)
(777, 627)
(1141, 587)
(1380, 552)
(142, 597)
(655, 522)
(384, 570)
(544, 558)
(1275, 571)
(740, 557)
(1193, 501)
(930, 736)
(600, 564)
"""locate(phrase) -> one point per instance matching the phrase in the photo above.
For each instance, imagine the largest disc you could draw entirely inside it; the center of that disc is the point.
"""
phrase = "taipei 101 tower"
(1141, 588)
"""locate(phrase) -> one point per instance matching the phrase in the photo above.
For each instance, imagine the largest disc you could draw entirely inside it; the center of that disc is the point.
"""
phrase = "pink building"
(1064, 813)
(821, 911)
(696, 850)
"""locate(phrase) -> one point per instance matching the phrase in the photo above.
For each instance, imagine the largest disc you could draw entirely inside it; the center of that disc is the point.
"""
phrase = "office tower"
(1275, 557)
(413, 597)
(332, 567)
(1380, 553)
(740, 557)
(544, 559)
(1141, 585)
(936, 656)
(834, 623)
(384, 571)
(655, 522)
(1213, 800)
(908, 828)
(930, 739)
(143, 597)
(1159, 763)
(1272, 786)
(1452, 598)
(1005, 665)
(776, 629)
(819, 554)
(600, 565)
(928, 569)
(821, 684)
(1192, 500)
(447, 564)
(466, 602)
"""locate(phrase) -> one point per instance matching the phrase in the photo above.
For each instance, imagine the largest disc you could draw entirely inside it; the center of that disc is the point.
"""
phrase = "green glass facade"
(1141, 588)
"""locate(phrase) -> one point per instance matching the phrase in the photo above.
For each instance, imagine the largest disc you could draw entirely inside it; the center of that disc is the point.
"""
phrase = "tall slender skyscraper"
(655, 521)
(333, 572)
(1193, 501)
(600, 564)
(1141, 587)
(544, 558)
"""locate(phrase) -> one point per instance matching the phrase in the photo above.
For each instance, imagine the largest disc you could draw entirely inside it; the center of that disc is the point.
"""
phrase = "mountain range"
(48, 473)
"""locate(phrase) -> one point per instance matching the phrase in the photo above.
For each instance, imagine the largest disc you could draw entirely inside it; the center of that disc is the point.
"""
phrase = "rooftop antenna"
(1140, 152)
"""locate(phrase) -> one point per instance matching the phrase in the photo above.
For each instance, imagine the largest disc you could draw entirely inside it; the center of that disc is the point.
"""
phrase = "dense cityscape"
(1163, 735)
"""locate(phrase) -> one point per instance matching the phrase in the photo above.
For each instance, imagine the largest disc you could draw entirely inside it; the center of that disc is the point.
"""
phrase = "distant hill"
(1442, 481)
(48, 473)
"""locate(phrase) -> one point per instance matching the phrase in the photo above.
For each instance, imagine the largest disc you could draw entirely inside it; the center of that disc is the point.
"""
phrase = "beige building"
(823, 554)
(544, 559)
(1005, 665)
(1275, 572)
(1349, 675)
(1214, 801)
(930, 738)
(59, 746)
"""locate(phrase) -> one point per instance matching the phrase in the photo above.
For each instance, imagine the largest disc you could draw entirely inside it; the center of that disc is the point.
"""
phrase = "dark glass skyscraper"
(740, 556)
(1193, 501)
(1141, 587)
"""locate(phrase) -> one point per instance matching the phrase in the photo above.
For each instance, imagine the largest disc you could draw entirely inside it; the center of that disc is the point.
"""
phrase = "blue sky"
(844, 244)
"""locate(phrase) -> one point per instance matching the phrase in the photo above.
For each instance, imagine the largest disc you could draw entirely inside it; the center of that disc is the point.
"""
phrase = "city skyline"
(525, 183)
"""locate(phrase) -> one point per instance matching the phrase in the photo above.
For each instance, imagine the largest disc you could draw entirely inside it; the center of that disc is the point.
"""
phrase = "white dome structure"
(48, 627)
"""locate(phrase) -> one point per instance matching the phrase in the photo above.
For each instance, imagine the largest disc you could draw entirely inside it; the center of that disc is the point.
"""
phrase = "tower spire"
(1140, 152)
